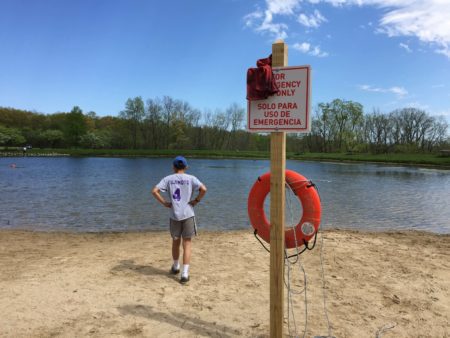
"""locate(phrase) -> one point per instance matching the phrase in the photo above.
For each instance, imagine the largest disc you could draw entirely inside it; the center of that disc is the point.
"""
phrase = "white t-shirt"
(180, 188)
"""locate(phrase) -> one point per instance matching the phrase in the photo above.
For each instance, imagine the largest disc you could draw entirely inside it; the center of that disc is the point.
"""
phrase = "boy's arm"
(156, 193)
(201, 192)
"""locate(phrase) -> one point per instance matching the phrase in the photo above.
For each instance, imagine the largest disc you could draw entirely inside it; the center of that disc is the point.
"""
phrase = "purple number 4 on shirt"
(177, 195)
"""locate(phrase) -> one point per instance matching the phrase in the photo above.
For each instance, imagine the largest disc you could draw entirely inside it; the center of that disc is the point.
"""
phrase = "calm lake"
(113, 194)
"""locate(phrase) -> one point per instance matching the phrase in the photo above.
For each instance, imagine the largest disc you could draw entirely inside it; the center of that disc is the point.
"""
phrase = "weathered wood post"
(277, 206)
(285, 112)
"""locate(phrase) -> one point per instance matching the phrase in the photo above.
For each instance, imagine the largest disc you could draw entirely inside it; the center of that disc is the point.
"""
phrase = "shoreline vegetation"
(426, 160)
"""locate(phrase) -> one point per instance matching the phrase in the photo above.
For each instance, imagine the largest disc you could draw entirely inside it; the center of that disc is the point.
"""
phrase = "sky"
(95, 54)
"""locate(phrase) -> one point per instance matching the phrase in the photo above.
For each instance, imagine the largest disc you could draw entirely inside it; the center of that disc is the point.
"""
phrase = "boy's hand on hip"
(168, 204)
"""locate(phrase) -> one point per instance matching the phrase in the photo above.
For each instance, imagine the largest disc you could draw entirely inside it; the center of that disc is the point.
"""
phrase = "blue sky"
(385, 54)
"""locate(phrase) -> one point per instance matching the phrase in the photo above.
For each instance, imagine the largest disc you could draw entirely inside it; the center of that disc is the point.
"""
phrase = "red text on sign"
(276, 113)
(277, 122)
(280, 105)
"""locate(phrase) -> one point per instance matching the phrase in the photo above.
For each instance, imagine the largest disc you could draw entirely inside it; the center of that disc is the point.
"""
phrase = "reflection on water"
(113, 194)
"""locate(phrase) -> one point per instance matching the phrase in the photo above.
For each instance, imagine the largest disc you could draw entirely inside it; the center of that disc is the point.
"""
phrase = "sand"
(118, 285)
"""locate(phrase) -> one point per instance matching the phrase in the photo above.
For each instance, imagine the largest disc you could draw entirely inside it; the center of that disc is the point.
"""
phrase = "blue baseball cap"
(180, 162)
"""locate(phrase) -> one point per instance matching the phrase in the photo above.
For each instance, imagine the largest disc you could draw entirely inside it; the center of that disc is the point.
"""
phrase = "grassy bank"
(408, 159)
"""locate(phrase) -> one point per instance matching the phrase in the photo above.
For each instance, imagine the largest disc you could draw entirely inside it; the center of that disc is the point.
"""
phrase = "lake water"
(113, 194)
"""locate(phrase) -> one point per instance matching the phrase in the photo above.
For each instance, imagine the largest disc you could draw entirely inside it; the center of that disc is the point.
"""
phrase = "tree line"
(343, 126)
(168, 123)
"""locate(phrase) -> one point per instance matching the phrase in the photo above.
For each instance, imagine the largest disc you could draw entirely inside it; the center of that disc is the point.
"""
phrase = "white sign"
(289, 109)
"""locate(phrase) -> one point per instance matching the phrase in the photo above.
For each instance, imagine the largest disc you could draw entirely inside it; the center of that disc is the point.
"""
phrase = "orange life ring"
(309, 198)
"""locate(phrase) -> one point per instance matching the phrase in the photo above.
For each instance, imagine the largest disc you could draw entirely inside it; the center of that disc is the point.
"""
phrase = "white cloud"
(277, 29)
(417, 105)
(317, 52)
(426, 20)
(445, 113)
(400, 92)
(263, 22)
(312, 21)
(444, 51)
(286, 7)
(251, 18)
(405, 47)
(336, 3)
(303, 47)
(370, 24)
(306, 48)
(368, 88)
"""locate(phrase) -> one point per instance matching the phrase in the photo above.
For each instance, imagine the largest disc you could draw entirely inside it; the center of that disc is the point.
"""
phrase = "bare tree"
(377, 131)
(235, 115)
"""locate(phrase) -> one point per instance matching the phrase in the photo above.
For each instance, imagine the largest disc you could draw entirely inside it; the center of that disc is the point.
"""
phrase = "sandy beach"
(118, 285)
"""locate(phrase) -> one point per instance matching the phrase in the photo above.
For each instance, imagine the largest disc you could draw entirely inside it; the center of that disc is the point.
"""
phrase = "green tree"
(322, 126)
(75, 126)
(134, 114)
(52, 138)
(153, 124)
(178, 134)
(347, 116)
(169, 112)
(11, 137)
(95, 140)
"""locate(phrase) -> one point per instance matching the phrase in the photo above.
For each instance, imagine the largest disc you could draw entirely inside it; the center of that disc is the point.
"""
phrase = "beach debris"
(396, 299)
(384, 328)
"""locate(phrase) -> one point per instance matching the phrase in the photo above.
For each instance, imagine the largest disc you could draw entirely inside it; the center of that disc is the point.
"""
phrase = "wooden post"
(277, 206)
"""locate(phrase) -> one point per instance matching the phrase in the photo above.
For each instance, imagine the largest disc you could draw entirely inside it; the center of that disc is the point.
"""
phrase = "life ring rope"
(306, 244)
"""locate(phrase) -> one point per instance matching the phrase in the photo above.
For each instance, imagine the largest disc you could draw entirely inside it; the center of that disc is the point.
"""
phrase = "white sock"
(185, 270)
(176, 264)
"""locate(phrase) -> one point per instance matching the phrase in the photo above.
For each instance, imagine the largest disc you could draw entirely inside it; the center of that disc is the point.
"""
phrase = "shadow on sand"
(180, 320)
(147, 270)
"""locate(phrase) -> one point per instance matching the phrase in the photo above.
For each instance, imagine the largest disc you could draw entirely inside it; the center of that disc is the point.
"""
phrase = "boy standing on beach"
(180, 188)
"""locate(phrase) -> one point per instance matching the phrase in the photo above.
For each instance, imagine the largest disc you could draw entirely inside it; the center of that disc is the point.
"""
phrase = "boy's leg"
(189, 230)
(175, 231)
(176, 248)
(175, 255)
(187, 244)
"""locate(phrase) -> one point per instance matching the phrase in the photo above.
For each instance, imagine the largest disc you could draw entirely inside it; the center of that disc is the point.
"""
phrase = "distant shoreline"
(416, 160)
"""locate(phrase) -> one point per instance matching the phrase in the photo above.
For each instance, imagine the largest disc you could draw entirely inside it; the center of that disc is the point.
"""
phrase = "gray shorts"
(185, 228)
